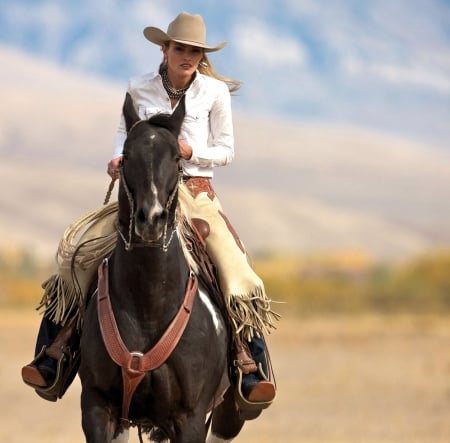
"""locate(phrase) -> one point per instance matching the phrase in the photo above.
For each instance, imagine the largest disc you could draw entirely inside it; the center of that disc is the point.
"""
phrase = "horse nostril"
(141, 217)
(148, 212)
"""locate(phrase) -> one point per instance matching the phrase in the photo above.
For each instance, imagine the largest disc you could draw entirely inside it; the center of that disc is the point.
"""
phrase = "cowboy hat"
(187, 29)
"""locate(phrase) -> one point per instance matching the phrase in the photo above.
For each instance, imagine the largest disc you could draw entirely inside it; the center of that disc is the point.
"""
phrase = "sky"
(382, 65)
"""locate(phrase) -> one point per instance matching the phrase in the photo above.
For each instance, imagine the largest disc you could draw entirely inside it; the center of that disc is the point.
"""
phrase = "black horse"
(148, 277)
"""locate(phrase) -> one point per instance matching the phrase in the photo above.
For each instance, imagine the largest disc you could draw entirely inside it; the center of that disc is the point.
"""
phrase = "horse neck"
(149, 276)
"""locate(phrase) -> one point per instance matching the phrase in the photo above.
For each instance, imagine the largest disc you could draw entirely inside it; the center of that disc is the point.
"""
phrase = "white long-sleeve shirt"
(207, 126)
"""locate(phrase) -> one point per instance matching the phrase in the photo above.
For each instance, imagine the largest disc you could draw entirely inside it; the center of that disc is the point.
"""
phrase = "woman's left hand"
(185, 149)
(113, 167)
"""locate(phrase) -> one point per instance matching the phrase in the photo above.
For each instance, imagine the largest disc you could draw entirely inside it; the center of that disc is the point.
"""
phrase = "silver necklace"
(172, 92)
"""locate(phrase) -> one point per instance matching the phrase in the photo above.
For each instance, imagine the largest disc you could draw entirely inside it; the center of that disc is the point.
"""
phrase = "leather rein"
(135, 364)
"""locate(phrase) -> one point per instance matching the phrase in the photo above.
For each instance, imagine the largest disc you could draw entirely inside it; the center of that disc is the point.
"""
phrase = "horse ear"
(129, 113)
(178, 116)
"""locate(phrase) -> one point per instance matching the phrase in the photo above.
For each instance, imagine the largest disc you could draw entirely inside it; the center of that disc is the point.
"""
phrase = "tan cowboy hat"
(187, 29)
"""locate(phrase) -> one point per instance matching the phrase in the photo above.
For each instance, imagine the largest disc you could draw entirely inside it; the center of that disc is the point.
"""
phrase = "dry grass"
(361, 379)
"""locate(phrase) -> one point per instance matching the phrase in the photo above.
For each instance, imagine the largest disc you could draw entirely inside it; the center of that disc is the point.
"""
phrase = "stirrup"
(66, 370)
(244, 404)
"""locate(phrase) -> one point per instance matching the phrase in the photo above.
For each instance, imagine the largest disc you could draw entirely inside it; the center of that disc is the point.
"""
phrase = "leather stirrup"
(248, 407)
(66, 370)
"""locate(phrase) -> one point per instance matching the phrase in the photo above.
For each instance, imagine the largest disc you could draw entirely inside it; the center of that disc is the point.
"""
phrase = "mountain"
(294, 187)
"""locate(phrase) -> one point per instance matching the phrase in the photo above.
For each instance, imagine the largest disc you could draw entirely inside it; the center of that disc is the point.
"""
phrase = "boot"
(253, 375)
(56, 362)
(41, 372)
(256, 386)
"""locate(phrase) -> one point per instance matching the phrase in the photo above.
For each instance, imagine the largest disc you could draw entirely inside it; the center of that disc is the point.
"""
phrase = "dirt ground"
(347, 380)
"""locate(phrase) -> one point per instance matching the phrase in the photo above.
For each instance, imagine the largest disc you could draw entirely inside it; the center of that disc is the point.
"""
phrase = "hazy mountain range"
(292, 187)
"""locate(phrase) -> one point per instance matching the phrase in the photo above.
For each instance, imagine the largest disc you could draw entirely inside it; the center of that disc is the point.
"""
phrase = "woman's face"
(182, 59)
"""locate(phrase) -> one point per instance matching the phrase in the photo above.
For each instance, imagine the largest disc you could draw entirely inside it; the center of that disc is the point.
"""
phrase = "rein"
(136, 364)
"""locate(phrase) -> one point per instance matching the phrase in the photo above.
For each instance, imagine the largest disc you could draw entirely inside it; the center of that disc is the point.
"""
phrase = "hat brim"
(158, 37)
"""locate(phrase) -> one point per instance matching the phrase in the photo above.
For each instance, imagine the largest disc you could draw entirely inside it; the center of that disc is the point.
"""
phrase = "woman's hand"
(185, 149)
(113, 167)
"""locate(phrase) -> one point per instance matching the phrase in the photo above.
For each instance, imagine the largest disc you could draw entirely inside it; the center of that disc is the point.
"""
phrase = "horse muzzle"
(149, 234)
(150, 222)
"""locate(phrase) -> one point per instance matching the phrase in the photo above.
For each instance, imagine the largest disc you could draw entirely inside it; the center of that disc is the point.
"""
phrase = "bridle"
(164, 243)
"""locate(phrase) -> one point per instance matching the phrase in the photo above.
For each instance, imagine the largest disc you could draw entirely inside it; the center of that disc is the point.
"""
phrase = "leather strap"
(135, 364)
(196, 185)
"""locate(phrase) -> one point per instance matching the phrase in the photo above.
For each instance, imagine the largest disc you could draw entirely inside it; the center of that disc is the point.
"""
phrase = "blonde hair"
(205, 67)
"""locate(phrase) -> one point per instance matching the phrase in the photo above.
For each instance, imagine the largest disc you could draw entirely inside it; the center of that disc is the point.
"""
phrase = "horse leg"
(191, 429)
(226, 421)
(122, 437)
(99, 425)
(214, 439)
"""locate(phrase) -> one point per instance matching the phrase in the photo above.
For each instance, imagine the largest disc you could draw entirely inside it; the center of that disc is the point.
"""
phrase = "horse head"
(150, 172)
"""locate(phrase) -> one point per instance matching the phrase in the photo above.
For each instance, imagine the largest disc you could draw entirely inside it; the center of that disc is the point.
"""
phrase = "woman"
(206, 141)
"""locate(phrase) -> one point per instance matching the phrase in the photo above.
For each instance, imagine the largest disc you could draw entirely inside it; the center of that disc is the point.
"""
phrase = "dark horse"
(148, 276)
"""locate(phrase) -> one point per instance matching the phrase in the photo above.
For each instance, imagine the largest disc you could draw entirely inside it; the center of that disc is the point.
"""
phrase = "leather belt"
(196, 185)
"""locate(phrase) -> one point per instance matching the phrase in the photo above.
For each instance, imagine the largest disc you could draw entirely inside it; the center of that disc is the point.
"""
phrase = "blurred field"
(346, 379)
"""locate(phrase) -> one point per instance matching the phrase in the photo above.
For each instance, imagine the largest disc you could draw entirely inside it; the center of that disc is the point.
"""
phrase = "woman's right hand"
(113, 167)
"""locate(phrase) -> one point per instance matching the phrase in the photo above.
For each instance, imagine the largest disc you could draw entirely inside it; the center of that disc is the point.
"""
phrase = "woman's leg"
(239, 285)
